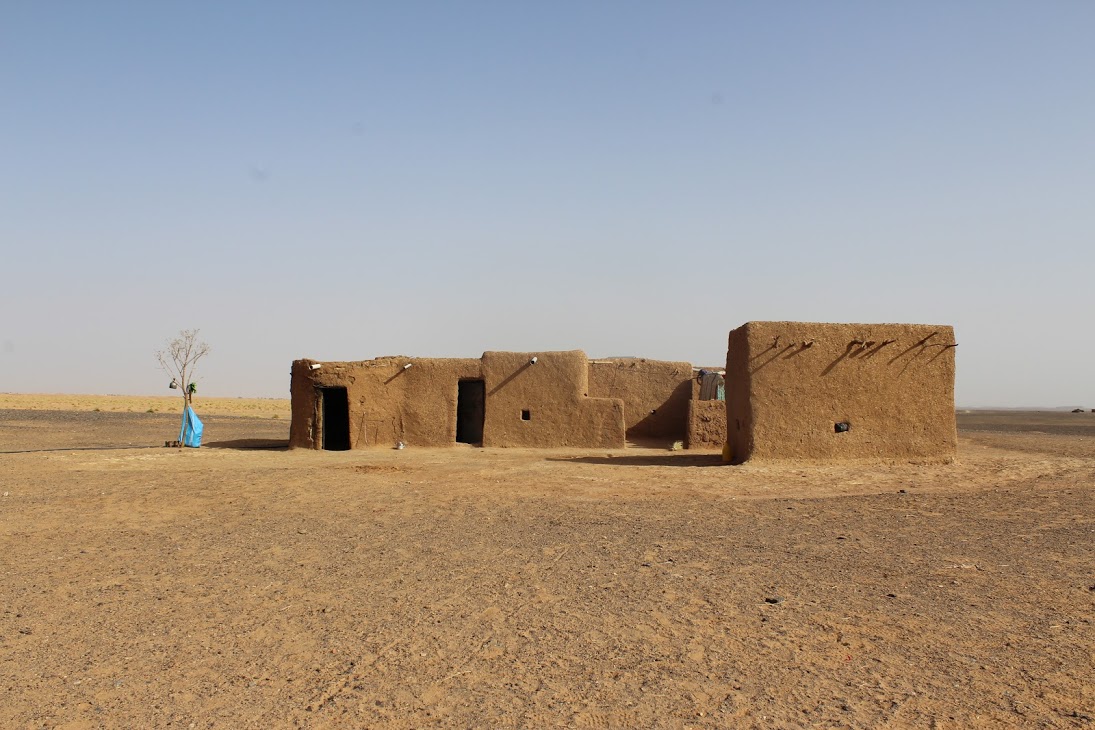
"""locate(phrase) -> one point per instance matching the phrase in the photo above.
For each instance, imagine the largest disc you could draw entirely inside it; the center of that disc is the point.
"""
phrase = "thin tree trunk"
(182, 427)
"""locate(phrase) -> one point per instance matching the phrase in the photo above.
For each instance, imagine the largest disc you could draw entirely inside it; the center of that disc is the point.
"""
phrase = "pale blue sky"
(344, 180)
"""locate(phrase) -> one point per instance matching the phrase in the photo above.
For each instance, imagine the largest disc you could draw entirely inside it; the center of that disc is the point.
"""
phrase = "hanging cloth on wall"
(712, 386)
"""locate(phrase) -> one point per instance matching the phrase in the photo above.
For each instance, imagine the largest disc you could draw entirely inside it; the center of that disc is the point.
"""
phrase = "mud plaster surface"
(706, 424)
(655, 395)
(390, 402)
(237, 587)
(789, 383)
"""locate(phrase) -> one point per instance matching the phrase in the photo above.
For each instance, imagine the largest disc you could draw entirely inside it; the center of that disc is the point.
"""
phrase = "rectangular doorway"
(471, 410)
(335, 411)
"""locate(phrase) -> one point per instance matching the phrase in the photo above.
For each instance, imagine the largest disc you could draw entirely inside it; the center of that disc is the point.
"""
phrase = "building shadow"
(691, 460)
(834, 363)
(249, 444)
(79, 448)
(664, 424)
(510, 377)
(772, 358)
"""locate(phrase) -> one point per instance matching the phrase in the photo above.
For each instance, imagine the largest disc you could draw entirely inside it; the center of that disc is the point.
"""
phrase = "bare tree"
(180, 360)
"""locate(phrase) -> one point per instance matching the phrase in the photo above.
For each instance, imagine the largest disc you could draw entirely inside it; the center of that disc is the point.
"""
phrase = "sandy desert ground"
(241, 585)
(252, 407)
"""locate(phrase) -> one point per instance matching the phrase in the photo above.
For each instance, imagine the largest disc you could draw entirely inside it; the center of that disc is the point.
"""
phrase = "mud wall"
(789, 385)
(302, 405)
(542, 404)
(388, 402)
(655, 394)
(706, 424)
(553, 391)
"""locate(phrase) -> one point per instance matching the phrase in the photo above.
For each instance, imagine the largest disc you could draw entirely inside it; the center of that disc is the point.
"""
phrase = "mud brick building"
(798, 390)
(545, 399)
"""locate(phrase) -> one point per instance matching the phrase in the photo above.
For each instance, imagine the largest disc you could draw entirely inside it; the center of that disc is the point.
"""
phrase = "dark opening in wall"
(842, 427)
(335, 408)
(471, 411)
(526, 415)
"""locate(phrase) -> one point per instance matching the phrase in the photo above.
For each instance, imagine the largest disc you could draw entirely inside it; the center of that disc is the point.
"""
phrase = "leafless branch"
(180, 357)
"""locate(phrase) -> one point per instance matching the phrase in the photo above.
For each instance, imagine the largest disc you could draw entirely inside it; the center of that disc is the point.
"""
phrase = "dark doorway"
(335, 407)
(471, 409)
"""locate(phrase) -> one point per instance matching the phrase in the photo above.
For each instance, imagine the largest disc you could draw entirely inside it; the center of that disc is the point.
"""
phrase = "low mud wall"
(706, 424)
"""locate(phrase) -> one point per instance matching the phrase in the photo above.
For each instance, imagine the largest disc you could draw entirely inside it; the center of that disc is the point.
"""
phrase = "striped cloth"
(712, 386)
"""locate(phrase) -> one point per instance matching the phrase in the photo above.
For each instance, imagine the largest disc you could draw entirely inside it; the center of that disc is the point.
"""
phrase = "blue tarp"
(191, 432)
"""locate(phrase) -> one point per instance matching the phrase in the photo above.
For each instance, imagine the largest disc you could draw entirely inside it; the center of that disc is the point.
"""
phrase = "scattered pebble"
(773, 600)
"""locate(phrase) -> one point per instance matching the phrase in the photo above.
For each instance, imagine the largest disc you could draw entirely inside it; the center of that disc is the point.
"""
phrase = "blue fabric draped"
(191, 432)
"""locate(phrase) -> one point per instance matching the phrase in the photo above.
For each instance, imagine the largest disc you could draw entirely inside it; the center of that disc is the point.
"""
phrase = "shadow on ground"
(648, 460)
(79, 448)
(249, 444)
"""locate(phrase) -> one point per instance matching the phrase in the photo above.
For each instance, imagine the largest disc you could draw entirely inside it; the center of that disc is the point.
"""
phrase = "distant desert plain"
(249, 407)
(245, 585)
